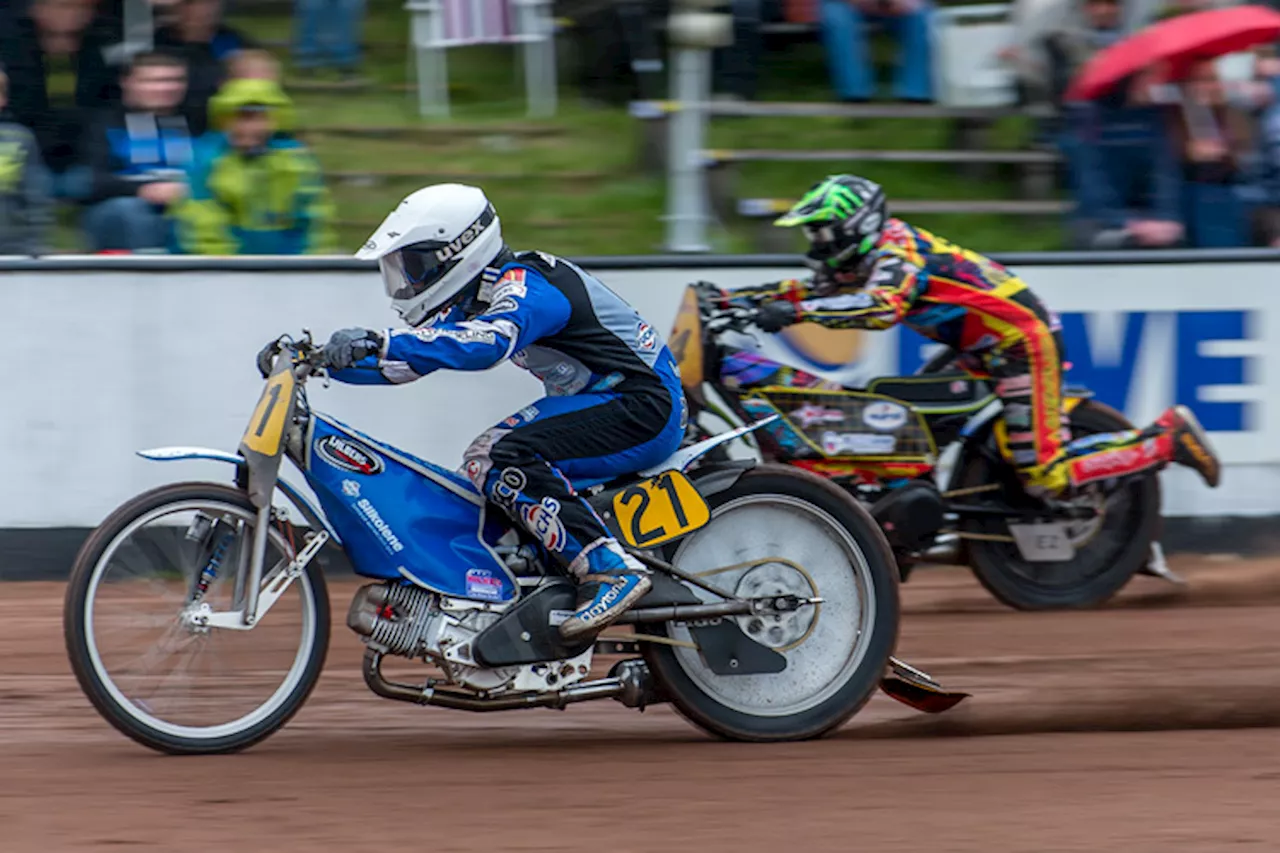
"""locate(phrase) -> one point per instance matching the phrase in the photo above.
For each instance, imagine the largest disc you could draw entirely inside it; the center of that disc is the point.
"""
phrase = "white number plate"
(1043, 543)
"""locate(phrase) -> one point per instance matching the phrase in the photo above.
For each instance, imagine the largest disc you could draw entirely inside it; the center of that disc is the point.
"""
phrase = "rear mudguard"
(304, 506)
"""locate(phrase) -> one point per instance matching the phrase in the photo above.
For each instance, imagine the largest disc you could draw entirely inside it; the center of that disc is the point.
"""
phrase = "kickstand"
(1158, 568)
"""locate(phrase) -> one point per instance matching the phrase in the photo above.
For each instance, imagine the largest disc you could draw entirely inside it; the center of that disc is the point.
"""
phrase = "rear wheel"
(782, 531)
(1110, 549)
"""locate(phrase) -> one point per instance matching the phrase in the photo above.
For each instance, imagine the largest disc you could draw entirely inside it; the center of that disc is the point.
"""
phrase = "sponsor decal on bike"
(958, 386)
(811, 414)
(374, 520)
(481, 583)
(348, 455)
(646, 338)
(884, 415)
(543, 520)
(839, 443)
(351, 488)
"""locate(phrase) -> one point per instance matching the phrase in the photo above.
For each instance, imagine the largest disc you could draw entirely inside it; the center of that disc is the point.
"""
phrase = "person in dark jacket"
(42, 38)
(138, 155)
(24, 200)
(200, 37)
(1123, 172)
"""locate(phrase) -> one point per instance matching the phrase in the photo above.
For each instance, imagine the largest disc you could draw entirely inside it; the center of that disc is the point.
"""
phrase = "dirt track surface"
(1143, 726)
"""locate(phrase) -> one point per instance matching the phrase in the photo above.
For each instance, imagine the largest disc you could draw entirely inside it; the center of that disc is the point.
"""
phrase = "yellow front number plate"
(660, 509)
(266, 427)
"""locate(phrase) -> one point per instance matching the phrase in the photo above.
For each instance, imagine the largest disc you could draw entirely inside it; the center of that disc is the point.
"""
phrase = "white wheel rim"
(837, 642)
(213, 732)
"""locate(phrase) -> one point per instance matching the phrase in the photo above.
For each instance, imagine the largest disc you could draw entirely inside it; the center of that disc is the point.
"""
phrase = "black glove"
(713, 293)
(267, 357)
(347, 346)
(774, 316)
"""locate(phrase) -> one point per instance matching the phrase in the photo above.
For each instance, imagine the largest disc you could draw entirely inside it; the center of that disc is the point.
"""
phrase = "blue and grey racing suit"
(614, 404)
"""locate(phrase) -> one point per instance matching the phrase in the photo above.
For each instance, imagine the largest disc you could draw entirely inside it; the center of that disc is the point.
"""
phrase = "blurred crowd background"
(216, 127)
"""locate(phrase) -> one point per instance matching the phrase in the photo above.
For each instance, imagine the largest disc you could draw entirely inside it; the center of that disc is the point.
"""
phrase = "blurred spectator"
(844, 36)
(1094, 25)
(1267, 164)
(327, 34)
(255, 190)
(139, 153)
(54, 72)
(1214, 140)
(615, 48)
(737, 67)
(1032, 22)
(197, 32)
(253, 64)
(24, 201)
(1123, 172)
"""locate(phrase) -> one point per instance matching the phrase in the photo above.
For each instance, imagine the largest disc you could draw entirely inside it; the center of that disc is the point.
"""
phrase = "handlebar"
(306, 357)
(717, 316)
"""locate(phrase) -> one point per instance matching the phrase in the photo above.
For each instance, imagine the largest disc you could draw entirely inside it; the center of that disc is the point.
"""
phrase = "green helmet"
(843, 217)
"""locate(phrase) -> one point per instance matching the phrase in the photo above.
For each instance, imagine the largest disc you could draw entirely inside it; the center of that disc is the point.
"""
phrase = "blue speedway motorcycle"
(197, 617)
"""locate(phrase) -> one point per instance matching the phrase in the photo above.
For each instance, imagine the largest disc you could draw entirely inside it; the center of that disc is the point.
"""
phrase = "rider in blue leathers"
(614, 404)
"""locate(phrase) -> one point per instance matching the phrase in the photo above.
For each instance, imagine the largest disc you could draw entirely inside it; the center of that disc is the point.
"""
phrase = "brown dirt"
(1142, 726)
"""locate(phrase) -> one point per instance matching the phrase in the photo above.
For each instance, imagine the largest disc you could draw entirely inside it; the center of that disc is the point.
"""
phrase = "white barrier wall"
(104, 363)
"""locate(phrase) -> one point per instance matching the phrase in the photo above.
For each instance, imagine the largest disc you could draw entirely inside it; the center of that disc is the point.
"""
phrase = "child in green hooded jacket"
(255, 190)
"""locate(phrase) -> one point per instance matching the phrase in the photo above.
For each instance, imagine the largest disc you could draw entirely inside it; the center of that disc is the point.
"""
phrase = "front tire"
(129, 540)
(836, 658)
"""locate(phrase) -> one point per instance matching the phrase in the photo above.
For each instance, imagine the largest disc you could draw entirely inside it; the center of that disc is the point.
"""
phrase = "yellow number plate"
(660, 509)
(266, 427)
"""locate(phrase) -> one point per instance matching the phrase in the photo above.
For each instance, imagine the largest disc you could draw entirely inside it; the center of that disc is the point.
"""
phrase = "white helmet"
(432, 246)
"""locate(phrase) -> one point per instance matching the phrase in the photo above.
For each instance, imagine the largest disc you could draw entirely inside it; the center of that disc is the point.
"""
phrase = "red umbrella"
(1178, 41)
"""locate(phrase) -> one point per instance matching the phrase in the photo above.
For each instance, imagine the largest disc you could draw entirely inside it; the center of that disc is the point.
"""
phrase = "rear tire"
(681, 674)
(1101, 573)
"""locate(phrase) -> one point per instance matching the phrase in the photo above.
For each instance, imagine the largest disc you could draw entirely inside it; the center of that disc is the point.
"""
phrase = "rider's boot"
(613, 582)
(1190, 444)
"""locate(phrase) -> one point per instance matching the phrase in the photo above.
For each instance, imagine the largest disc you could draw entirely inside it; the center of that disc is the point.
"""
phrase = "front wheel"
(779, 531)
(132, 622)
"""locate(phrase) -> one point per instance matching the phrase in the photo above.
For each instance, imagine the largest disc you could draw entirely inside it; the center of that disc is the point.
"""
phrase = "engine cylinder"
(395, 617)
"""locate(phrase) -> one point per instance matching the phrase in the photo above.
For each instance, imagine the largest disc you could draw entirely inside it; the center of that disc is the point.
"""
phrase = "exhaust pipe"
(630, 687)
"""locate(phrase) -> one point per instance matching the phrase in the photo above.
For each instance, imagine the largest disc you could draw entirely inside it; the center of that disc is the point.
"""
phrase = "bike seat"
(953, 388)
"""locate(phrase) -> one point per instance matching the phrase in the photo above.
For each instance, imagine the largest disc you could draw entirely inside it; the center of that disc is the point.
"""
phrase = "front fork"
(250, 601)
